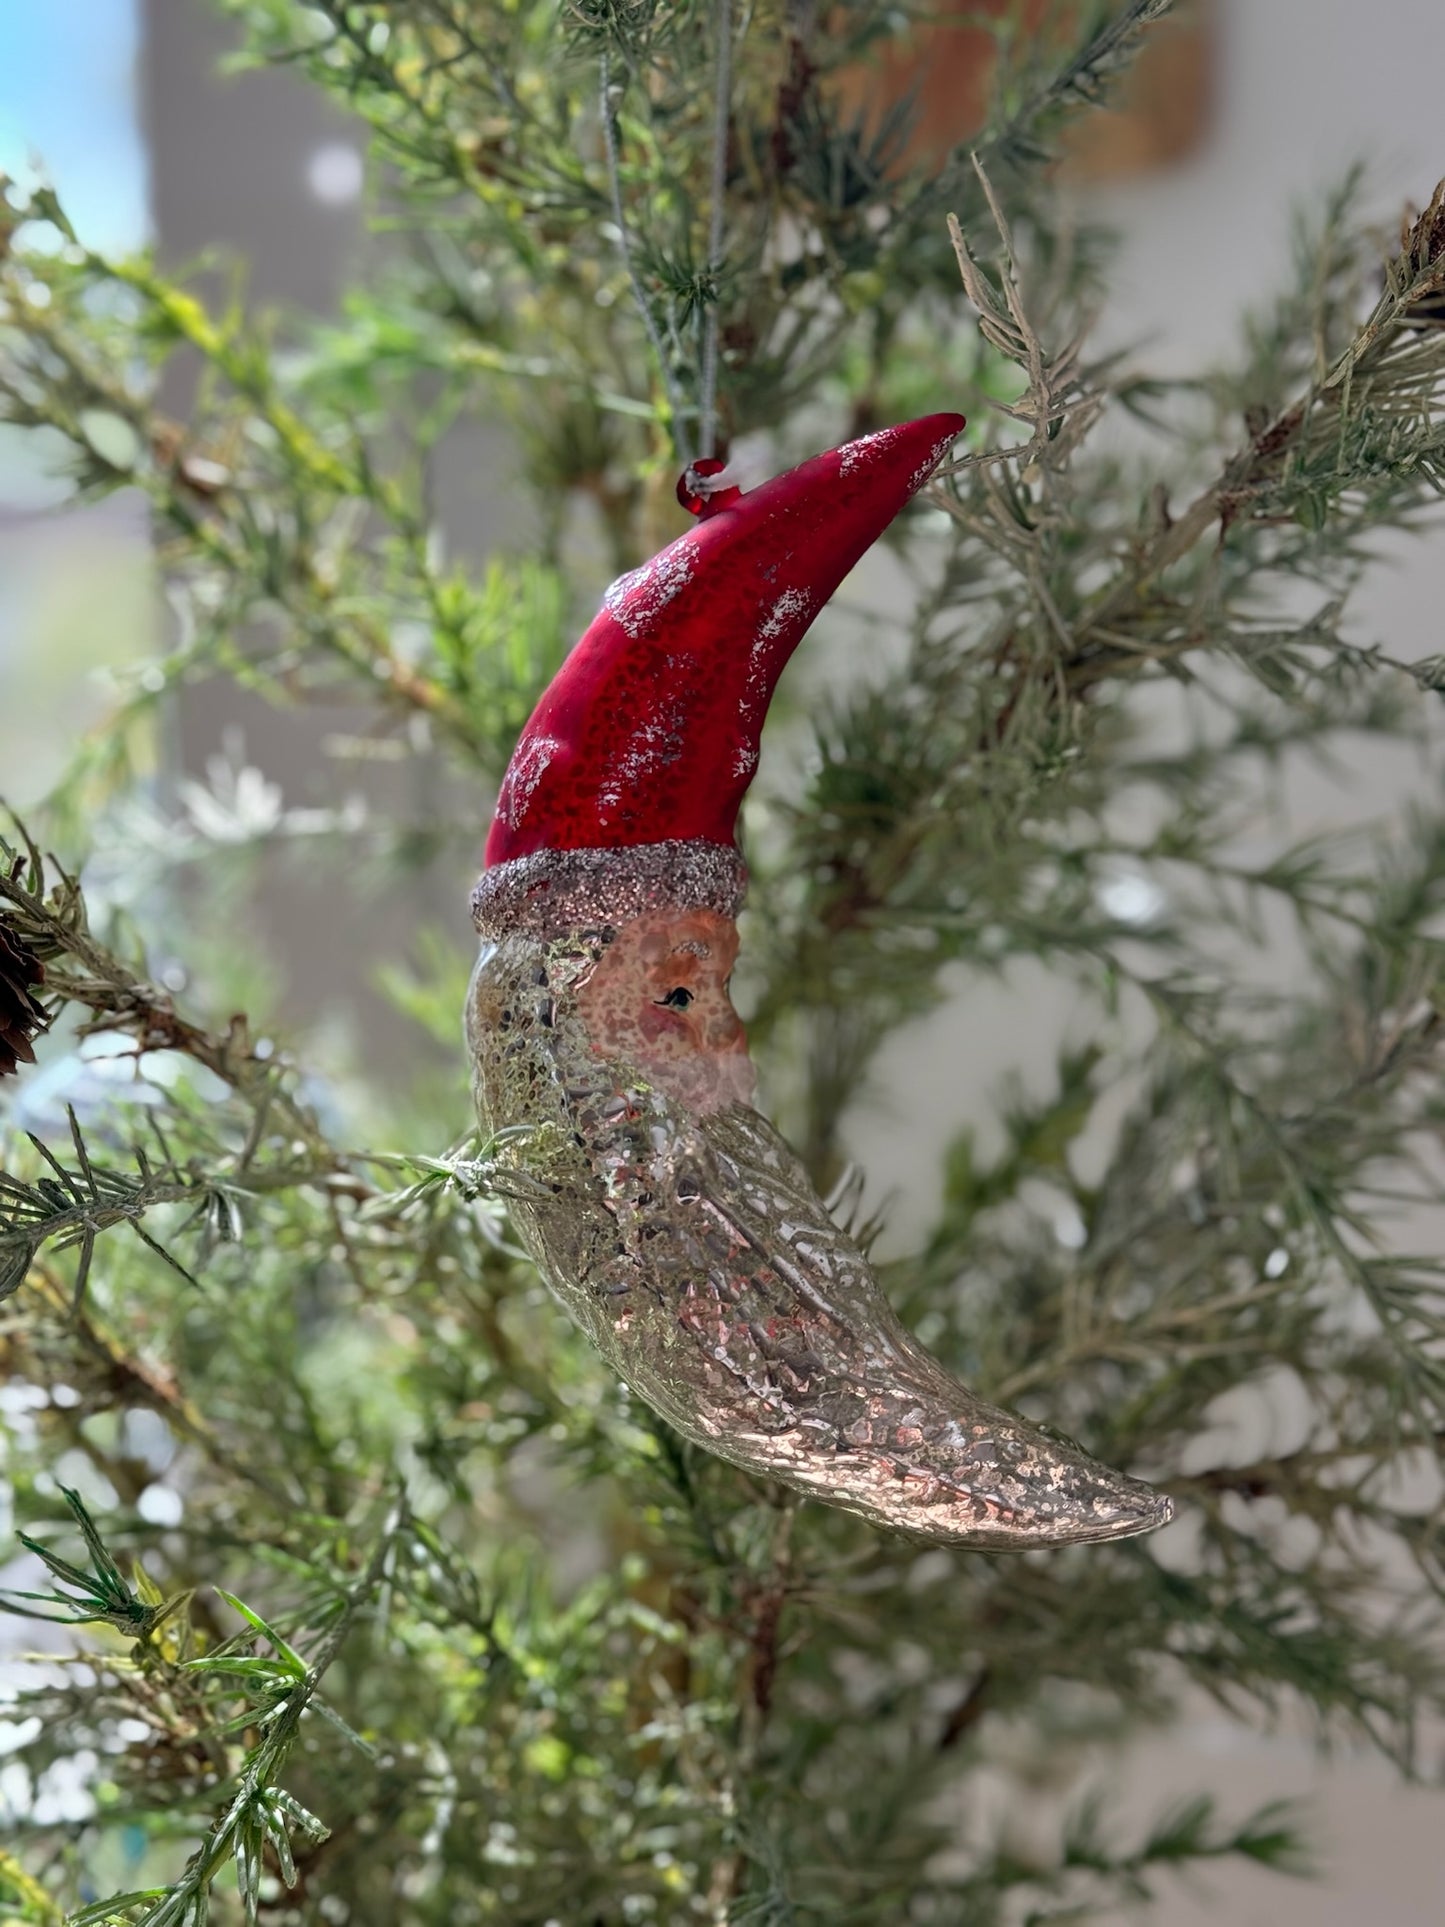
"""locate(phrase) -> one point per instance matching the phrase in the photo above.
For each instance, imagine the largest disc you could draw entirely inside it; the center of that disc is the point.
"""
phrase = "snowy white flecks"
(926, 467)
(864, 452)
(649, 747)
(791, 604)
(525, 771)
(635, 600)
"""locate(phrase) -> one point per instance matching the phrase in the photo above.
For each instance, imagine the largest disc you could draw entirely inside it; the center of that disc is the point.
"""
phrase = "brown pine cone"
(21, 1015)
(1422, 246)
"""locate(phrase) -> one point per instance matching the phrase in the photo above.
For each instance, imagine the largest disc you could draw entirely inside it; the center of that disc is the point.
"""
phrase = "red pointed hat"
(650, 729)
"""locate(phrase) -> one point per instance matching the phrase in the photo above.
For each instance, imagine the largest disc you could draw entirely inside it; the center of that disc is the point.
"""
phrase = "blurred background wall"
(68, 92)
(123, 100)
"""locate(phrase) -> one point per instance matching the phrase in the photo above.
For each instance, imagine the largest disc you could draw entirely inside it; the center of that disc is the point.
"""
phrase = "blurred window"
(74, 588)
(68, 99)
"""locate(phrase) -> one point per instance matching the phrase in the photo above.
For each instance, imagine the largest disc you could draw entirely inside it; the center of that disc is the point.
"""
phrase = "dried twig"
(1053, 394)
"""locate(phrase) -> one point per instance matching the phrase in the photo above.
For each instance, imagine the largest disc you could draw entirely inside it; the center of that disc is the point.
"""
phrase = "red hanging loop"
(695, 493)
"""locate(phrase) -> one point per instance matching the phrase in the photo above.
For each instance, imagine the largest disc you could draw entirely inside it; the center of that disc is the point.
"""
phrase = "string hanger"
(705, 412)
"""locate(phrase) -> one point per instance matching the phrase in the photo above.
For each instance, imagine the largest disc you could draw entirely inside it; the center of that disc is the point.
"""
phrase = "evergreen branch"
(1007, 715)
(50, 916)
(1377, 390)
(485, 1176)
(1281, 466)
(74, 1205)
(1106, 52)
(1028, 110)
(1053, 394)
(101, 1595)
(1413, 1332)
(262, 1815)
(1184, 1834)
(291, 566)
(121, 1379)
(1188, 1217)
(18, 1889)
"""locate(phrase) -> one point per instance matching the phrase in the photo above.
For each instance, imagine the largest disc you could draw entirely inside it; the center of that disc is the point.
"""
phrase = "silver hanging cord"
(614, 182)
(707, 423)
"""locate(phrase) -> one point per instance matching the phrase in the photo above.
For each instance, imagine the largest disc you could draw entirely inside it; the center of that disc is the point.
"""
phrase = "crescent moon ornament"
(675, 1225)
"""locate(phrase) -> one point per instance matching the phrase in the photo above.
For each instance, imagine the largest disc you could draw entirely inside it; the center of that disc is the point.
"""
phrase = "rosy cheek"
(716, 1033)
(657, 1022)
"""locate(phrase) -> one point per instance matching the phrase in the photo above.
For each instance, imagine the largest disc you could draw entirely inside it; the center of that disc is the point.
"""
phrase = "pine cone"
(1422, 243)
(21, 1015)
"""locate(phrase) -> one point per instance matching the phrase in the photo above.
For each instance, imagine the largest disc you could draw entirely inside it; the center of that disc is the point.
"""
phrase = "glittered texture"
(650, 730)
(557, 891)
(686, 1239)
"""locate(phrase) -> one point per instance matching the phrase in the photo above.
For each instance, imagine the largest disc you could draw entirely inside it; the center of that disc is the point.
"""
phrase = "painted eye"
(677, 999)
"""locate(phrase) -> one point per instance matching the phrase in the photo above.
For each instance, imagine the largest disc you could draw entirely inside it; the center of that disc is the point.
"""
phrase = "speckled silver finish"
(557, 891)
(697, 1256)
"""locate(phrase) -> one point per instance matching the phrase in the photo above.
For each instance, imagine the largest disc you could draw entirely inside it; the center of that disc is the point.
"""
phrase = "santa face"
(685, 1237)
(657, 997)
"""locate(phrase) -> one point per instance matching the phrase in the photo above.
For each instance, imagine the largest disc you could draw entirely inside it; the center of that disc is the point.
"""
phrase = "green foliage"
(100, 1594)
(572, 1669)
